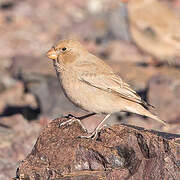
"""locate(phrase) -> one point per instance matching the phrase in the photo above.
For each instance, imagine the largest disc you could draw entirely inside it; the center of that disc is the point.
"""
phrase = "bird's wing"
(112, 83)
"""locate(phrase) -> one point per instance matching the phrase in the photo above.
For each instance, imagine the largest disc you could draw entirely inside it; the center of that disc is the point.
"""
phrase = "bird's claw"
(72, 120)
(94, 134)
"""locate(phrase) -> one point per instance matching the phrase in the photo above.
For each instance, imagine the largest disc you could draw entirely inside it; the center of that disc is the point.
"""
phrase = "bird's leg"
(78, 119)
(70, 116)
(95, 132)
(86, 116)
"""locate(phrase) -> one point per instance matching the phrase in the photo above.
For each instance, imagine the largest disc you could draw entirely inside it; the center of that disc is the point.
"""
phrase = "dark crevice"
(28, 112)
(143, 145)
(132, 162)
(100, 158)
(4, 126)
(166, 146)
(143, 94)
(7, 5)
(142, 64)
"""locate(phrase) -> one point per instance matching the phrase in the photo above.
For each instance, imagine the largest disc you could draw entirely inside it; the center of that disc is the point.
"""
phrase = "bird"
(155, 29)
(90, 83)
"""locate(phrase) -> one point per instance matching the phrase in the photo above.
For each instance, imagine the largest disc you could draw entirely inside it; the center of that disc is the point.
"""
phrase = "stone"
(164, 94)
(119, 152)
(17, 136)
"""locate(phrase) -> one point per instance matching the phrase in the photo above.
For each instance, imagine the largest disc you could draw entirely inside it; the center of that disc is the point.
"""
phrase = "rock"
(17, 136)
(164, 94)
(119, 152)
(118, 23)
(48, 91)
(11, 95)
(154, 34)
(31, 64)
(15, 100)
(126, 52)
(136, 76)
(6, 81)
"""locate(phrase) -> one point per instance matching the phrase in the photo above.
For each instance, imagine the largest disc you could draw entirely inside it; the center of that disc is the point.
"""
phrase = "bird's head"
(66, 51)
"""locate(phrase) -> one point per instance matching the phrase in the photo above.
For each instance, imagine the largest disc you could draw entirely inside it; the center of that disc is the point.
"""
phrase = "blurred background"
(140, 39)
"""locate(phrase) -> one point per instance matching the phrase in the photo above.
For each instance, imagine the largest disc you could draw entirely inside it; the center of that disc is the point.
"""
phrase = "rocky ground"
(119, 152)
(30, 96)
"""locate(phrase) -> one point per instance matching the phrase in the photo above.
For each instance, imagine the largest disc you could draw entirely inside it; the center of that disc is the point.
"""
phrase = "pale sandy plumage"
(155, 28)
(91, 84)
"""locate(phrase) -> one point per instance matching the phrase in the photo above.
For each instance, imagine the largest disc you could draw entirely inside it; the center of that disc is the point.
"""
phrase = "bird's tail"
(149, 114)
(142, 111)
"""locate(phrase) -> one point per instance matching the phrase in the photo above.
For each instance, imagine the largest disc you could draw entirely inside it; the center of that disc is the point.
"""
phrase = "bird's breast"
(75, 90)
(88, 97)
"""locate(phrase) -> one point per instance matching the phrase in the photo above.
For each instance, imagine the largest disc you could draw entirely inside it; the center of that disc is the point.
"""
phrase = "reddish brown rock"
(119, 152)
(28, 34)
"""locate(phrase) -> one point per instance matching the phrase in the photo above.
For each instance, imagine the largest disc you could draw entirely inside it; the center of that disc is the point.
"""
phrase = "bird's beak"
(52, 54)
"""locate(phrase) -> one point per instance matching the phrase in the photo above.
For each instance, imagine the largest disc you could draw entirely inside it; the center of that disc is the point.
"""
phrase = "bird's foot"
(72, 120)
(94, 134)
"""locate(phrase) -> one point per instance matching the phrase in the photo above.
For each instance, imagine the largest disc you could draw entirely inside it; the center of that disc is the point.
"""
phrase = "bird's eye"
(64, 49)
